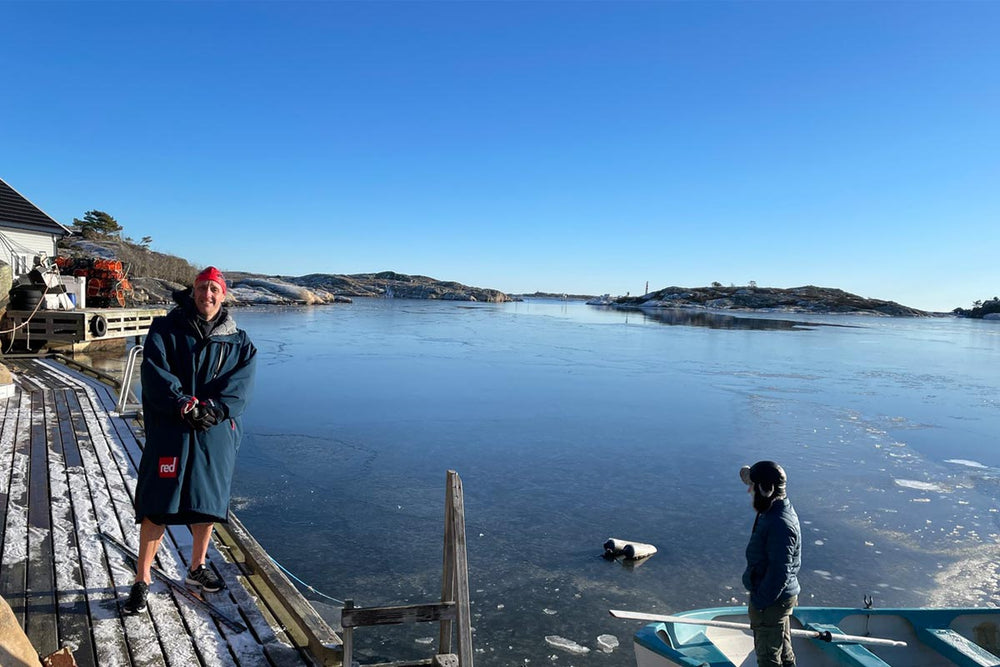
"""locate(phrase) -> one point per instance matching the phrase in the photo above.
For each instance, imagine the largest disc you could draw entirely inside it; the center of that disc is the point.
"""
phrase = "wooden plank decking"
(67, 472)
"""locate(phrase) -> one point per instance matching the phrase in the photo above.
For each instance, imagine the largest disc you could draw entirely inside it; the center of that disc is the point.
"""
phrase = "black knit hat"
(768, 480)
(763, 472)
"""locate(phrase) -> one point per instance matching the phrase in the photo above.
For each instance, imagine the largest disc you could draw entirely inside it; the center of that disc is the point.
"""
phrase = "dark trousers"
(772, 638)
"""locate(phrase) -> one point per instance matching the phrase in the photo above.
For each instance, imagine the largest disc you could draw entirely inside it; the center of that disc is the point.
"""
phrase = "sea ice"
(608, 643)
(550, 612)
(567, 645)
(965, 462)
(920, 486)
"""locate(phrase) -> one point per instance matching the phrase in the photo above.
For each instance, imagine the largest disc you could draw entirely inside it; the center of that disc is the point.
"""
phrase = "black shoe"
(205, 579)
(136, 603)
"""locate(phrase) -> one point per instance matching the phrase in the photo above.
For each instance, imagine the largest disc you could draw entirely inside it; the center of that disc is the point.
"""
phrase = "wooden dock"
(75, 329)
(67, 473)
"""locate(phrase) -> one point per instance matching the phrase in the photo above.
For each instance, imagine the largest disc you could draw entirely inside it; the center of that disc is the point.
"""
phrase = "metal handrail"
(126, 388)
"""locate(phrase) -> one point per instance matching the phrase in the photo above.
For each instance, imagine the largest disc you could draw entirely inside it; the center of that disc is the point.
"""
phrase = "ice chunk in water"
(608, 643)
(921, 486)
(567, 645)
(965, 462)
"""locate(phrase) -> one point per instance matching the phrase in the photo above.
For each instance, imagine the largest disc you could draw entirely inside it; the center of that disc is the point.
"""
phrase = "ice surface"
(965, 462)
(860, 406)
(608, 643)
(567, 645)
(920, 486)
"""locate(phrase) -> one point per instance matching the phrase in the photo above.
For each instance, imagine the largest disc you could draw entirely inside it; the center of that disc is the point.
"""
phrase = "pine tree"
(99, 222)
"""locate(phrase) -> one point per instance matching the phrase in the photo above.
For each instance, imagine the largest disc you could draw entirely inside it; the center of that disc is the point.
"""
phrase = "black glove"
(209, 413)
(189, 410)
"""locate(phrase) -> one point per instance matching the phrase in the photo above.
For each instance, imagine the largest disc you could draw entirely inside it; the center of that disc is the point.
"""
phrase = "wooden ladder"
(454, 605)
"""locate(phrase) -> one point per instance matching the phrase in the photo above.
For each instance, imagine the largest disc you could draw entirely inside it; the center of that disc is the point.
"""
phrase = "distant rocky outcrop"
(807, 299)
(154, 277)
(985, 310)
(322, 288)
(396, 285)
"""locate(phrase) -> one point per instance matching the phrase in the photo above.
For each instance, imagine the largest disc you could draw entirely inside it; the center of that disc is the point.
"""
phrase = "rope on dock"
(311, 589)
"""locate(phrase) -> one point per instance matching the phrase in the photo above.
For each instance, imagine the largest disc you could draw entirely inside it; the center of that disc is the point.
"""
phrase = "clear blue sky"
(582, 147)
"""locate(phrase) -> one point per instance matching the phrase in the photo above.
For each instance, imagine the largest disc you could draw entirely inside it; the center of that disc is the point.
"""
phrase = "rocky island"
(807, 299)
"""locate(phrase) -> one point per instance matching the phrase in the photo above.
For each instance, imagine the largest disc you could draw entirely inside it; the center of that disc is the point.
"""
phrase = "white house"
(25, 231)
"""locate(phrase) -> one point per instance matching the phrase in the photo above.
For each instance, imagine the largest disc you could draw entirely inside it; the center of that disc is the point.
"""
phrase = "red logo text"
(168, 466)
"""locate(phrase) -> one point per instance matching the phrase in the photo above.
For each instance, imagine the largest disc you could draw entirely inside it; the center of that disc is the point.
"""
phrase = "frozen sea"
(570, 424)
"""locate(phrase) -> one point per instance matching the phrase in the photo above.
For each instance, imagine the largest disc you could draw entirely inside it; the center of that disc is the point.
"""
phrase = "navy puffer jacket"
(774, 555)
(183, 469)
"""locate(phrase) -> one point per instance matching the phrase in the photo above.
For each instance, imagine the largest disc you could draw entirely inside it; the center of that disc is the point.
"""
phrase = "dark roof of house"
(17, 211)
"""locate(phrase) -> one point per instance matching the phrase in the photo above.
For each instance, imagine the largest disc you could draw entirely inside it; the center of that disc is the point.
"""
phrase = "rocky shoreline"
(246, 289)
(326, 288)
(323, 288)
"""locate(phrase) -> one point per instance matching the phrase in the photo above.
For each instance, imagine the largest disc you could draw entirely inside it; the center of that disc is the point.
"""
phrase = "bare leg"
(150, 536)
(202, 535)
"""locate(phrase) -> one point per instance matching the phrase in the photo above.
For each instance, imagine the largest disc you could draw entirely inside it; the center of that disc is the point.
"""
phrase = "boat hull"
(968, 637)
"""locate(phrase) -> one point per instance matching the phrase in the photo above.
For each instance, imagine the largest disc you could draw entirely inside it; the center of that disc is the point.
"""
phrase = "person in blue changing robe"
(197, 375)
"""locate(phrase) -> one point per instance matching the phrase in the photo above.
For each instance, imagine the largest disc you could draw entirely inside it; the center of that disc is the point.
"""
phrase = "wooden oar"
(812, 634)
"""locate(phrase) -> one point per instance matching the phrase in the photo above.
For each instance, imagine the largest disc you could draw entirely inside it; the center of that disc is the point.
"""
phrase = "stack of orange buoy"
(107, 285)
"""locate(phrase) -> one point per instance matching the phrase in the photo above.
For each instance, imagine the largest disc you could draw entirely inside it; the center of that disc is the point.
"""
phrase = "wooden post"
(448, 565)
(461, 572)
(348, 636)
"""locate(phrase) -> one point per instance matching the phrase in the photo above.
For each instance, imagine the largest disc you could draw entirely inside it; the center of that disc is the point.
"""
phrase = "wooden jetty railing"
(299, 620)
(454, 606)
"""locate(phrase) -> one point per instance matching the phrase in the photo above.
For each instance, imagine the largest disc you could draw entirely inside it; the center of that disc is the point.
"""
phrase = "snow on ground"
(258, 290)
(15, 544)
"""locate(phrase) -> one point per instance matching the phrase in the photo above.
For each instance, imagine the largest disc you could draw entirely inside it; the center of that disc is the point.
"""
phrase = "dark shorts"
(185, 518)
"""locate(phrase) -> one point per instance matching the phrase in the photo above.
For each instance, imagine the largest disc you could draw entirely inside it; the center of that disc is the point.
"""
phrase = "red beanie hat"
(213, 274)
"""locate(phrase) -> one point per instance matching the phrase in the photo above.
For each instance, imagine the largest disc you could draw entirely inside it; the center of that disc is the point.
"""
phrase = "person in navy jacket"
(774, 556)
(197, 374)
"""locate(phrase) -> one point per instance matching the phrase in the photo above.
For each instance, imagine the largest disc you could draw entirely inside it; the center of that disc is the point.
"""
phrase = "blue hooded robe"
(185, 474)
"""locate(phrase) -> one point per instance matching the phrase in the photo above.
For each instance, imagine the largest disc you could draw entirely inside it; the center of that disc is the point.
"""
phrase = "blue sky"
(581, 147)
